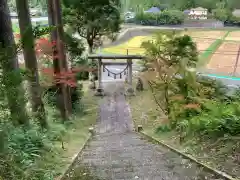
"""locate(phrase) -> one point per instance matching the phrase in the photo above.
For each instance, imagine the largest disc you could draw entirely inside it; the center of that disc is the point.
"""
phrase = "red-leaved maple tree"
(44, 52)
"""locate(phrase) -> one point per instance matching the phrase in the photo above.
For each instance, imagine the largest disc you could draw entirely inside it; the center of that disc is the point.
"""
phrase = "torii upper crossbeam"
(129, 59)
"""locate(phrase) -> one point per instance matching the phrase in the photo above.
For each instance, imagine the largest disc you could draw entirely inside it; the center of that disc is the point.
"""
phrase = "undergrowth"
(210, 132)
(31, 153)
(23, 146)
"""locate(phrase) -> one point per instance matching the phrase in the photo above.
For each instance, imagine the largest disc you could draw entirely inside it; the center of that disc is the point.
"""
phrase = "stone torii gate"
(101, 69)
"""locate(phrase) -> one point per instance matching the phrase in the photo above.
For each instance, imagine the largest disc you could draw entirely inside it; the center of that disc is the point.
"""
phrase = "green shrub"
(168, 17)
(82, 76)
(211, 113)
(52, 92)
(21, 147)
(233, 20)
(220, 120)
(222, 14)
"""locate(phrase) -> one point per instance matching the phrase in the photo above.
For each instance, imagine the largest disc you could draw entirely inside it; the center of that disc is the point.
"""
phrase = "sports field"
(223, 61)
(218, 49)
(203, 39)
(233, 36)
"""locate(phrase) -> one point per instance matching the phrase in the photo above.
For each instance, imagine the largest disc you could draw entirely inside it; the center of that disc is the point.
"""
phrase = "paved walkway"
(116, 152)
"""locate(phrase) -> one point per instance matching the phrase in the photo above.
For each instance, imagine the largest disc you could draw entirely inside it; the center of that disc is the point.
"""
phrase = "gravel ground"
(116, 152)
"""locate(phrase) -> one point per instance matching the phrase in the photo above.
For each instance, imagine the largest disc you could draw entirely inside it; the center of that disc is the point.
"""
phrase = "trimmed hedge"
(233, 21)
(169, 17)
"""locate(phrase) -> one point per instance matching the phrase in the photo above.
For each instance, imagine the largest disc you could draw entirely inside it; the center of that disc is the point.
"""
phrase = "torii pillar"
(130, 90)
(99, 90)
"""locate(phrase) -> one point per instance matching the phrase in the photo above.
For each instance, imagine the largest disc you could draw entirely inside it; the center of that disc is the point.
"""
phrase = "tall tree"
(170, 54)
(209, 4)
(186, 4)
(59, 57)
(9, 64)
(30, 60)
(93, 19)
(61, 48)
(61, 90)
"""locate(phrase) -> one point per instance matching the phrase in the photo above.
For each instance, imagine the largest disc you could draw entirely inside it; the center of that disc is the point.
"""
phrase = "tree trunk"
(61, 93)
(31, 61)
(11, 75)
(91, 74)
(166, 96)
(61, 49)
(90, 46)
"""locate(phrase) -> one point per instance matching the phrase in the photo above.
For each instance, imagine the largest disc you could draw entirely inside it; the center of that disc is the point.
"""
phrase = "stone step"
(117, 152)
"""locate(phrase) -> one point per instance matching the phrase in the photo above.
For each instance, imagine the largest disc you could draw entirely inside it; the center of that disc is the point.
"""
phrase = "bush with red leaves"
(44, 50)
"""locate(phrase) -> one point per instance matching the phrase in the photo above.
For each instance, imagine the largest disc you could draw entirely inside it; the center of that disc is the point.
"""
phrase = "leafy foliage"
(137, 5)
(222, 14)
(37, 4)
(194, 105)
(92, 19)
(24, 145)
(168, 17)
(171, 55)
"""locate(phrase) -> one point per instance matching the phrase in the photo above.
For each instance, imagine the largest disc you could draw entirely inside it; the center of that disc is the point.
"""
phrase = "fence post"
(236, 64)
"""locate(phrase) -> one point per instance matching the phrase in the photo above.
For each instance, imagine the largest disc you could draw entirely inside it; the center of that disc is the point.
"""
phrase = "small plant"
(139, 85)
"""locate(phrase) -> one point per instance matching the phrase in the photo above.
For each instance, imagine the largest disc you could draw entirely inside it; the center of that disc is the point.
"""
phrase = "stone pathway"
(116, 152)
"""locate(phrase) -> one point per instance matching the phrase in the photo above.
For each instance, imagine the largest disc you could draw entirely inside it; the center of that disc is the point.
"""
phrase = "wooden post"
(130, 71)
(91, 130)
(100, 87)
(236, 63)
(92, 84)
(130, 90)
(100, 74)
(139, 128)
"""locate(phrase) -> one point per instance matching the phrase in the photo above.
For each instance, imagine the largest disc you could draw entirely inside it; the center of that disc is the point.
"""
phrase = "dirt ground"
(207, 34)
(202, 44)
(233, 36)
(224, 59)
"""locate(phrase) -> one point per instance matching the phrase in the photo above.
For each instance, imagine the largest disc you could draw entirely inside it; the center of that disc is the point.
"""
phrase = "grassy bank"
(77, 132)
(64, 140)
(222, 154)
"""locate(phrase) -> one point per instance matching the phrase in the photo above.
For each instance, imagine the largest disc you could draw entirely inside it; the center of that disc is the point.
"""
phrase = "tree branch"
(155, 99)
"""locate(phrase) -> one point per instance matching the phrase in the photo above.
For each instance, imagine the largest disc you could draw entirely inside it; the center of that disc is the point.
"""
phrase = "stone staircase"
(116, 152)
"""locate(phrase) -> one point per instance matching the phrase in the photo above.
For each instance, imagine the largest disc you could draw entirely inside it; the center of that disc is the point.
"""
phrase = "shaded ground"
(117, 152)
